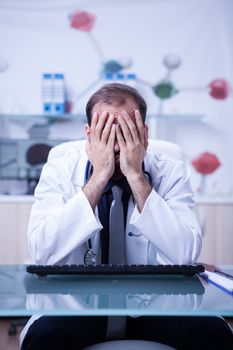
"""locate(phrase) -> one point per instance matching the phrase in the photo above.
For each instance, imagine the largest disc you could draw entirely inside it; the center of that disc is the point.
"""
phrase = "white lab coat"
(62, 220)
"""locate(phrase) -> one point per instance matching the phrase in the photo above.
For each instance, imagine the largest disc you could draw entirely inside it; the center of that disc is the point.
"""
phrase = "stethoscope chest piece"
(90, 257)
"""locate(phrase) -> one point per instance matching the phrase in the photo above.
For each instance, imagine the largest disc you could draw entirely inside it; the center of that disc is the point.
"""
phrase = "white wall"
(35, 37)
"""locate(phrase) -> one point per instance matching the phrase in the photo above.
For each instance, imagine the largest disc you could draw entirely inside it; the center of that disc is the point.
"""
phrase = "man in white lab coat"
(72, 220)
(160, 224)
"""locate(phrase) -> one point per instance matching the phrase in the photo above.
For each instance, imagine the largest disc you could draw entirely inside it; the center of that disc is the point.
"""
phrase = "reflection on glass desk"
(23, 294)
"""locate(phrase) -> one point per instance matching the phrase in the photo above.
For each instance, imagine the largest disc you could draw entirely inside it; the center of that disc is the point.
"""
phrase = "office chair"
(36, 157)
(129, 345)
(155, 147)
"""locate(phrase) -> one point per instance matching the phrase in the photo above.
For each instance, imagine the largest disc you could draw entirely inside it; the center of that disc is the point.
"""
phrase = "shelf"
(17, 198)
(212, 200)
(82, 117)
(61, 117)
(180, 118)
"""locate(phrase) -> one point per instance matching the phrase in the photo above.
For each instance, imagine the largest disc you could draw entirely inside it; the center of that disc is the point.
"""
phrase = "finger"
(112, 136)
(100, 124)
(146, 143)
(125, 129)
(107, 128)
(131, 125)
(120, 137)
(140, 126)
(94, 121)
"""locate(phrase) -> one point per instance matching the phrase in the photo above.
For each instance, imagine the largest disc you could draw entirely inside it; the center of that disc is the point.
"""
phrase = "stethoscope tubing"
(86, 178)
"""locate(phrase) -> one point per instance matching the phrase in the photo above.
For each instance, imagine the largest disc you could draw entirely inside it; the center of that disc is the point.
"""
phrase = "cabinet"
(217, 245)
(14, 216)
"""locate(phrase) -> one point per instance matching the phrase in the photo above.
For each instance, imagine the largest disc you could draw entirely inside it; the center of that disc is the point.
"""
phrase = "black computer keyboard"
(104, 269)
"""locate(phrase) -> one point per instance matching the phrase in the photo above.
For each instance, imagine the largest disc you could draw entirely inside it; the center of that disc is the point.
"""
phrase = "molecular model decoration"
(218, 89)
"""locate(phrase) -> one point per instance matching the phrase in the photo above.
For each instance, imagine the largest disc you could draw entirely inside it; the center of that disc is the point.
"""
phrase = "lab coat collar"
(150, 163)
(78, 177)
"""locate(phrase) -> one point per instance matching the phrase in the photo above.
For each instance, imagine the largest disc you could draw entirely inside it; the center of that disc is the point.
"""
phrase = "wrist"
(140, 187)
(133, 177)
(94, 189)
(99, 179)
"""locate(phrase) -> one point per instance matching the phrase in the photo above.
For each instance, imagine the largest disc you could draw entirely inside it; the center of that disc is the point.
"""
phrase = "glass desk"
(23, 294)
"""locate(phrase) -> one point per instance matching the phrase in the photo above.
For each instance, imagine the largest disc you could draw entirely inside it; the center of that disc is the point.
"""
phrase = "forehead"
(129, 106)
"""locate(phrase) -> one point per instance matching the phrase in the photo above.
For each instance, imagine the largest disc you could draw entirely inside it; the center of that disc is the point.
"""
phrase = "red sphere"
(219, 89)
(82, 20)
(206, 163)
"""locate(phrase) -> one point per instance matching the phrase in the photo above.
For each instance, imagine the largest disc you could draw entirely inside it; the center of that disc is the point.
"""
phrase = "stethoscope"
(90, 256)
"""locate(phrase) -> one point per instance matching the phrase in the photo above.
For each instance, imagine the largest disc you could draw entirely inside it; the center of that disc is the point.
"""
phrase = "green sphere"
(164, 89)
